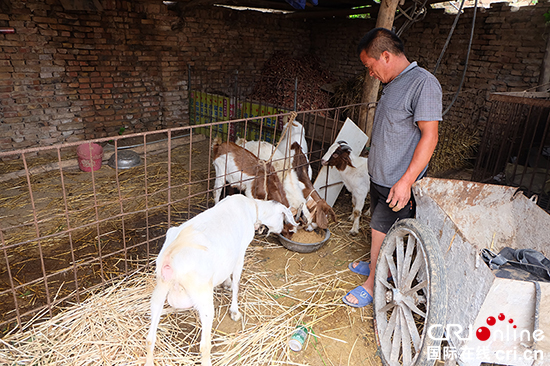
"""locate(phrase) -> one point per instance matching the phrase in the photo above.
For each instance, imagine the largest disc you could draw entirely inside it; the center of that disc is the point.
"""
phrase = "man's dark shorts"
(382, 216)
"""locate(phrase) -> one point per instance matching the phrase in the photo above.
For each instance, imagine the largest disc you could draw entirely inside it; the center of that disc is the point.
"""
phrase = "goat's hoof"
(227, 284)
(236, 316)
(354, 232)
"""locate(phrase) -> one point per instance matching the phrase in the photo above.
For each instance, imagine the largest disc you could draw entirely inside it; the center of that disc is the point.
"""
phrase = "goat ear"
(172, 234)
(287, 231)
(329, 212)
(288, 215)
(321, 219)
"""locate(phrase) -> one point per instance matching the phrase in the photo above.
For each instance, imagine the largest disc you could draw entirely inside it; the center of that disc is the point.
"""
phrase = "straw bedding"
(113, 194)
(109, 328)
(279, 289)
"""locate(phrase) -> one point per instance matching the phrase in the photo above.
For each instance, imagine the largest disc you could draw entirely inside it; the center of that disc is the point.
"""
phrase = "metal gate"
(515, 147)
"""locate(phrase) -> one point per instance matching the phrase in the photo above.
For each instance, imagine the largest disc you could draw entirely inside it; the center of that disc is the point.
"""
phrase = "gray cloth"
(414, 95)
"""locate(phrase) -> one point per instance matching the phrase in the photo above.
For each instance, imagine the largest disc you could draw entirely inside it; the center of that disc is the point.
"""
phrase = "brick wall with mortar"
(70, 75)
(507, 51)
(506, 55)
(73, 75)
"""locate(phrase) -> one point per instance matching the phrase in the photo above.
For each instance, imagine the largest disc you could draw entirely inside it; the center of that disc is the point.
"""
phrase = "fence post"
(295, 93)
(190, 104)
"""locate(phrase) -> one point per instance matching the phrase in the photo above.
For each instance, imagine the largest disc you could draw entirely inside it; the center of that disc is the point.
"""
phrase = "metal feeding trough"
(126, 159)
(304, 247)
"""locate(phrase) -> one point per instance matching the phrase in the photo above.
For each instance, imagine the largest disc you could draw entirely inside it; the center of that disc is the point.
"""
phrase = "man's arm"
(400, 193)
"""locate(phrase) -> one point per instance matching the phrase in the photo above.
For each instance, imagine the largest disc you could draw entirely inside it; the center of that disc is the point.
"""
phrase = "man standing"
(404, 136)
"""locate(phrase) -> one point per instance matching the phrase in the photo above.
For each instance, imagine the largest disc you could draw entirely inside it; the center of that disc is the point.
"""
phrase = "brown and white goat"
(294, 132)
(244, 171)
(292, 186)
(355, 175)
(320, 209)
(204, 252)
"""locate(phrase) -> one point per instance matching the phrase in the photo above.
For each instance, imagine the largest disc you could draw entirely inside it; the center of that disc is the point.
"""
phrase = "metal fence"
(65, 231)
(515, 147)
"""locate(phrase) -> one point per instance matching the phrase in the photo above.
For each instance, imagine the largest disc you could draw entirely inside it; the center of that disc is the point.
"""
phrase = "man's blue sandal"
(362, 268)
(361, 295)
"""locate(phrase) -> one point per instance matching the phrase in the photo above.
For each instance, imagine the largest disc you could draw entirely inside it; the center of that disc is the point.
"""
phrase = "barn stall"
(79, 246)
(110, 225)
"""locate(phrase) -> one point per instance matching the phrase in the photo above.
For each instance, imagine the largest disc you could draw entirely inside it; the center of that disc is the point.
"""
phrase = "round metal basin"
(126, 159)
(304, 247)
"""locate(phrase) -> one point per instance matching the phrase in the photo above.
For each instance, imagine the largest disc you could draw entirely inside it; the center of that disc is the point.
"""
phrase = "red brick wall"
(507, 52)
(72, 75)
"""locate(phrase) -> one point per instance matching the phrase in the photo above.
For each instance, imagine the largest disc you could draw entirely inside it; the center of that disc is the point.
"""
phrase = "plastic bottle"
(298, 338)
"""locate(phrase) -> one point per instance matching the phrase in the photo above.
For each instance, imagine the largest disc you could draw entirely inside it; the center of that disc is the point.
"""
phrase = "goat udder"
(167, 272)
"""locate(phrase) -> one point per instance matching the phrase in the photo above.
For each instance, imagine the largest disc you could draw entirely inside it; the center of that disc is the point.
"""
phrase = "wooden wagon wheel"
(413, 300)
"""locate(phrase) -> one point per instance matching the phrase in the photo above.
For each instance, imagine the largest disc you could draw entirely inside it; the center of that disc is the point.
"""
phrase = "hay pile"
(109, 328)
(349, 91)
(456, 148)
(83, 193)
(279, 75)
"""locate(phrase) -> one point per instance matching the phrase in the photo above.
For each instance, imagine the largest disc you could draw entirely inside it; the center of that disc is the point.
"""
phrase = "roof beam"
(373, 10)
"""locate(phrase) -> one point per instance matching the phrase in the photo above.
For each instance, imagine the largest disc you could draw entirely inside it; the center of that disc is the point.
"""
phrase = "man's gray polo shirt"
(414, 95)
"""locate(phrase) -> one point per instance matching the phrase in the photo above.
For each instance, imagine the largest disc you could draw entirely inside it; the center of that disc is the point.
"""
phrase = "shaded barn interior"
(164, 82)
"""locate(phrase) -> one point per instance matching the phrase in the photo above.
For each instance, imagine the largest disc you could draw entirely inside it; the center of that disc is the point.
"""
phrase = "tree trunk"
(371, 85)
(544, 80)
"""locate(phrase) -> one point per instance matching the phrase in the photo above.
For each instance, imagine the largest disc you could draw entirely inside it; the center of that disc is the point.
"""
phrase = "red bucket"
(89, 157)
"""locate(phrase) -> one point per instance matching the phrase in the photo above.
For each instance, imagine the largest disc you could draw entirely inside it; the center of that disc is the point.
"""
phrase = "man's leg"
(376, 243)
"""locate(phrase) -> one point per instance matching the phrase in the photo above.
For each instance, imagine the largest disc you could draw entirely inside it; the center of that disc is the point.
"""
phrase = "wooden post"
(544, 78)
(371, 85)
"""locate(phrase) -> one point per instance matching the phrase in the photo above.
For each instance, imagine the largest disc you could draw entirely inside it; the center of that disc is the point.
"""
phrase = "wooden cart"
(444, 303)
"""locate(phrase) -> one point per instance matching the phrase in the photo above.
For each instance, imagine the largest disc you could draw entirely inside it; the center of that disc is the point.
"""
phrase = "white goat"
(204, 252)
(355, 175)
(294, 133)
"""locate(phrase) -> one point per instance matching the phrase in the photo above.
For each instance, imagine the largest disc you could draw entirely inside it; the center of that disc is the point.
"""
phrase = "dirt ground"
(341, 336)
(347, 335)
(344, 337)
